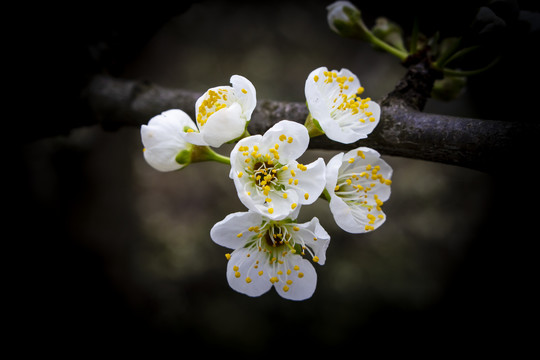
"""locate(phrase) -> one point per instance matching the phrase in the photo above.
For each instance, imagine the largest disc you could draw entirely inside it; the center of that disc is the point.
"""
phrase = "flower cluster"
(269, 247)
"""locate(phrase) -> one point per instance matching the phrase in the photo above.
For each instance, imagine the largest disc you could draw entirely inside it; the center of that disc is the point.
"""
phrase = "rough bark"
(403, 130)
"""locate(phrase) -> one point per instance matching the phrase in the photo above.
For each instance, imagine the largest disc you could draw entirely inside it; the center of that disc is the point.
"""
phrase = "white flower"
(223, 113)
(163, 141)
(358, 183)
(334, 101)
(336, 13)
(267, 176)
(269, 253)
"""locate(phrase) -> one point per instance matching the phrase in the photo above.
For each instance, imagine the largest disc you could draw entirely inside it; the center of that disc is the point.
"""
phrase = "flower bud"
(343, 19)
(389, 32)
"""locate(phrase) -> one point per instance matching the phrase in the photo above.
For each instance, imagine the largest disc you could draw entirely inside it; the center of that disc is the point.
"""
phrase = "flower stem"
(452, 72)
(402, 55)
(205, 153)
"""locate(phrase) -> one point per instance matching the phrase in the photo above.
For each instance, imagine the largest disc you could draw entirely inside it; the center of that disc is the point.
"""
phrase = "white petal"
(223, 126)
(165, 127)
(310, 181)
(332, 170)
(292, 138)
(315, 237)
(226, 231)
(343, 216)
(342, 135)
(195, 138)
(354, 219)
(245, 93)
(243, 272)
(302, 282)
(163, 157)
(282, 207)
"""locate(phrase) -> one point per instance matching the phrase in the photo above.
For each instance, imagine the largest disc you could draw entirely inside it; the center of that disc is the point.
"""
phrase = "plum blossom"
(267, 176)
(222, 113)
(334, 102)
(358, 183)
(164, 146)
(271, 253)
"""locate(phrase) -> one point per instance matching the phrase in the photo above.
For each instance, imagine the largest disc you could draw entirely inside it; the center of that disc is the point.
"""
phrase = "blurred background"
(116, 254)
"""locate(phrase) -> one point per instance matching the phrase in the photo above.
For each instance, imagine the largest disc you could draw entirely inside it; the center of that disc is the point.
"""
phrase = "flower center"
(264, 174)
(215, 101)
(343, 105)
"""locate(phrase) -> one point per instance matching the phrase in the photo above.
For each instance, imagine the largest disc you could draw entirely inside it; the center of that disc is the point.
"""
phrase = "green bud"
(313, 127)
(343, 18)
(389, 32)
(184, 157)
(448, 88)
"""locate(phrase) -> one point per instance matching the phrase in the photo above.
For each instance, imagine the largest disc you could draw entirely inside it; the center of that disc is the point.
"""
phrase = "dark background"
(110, 254)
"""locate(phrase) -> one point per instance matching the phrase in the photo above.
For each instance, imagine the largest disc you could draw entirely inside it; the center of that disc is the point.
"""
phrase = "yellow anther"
(316, 78)
(293, 173)
(293, 206)
(388, 182)
(247, 160)
(240, 174)
(271, 210)
(239, 235)
(260, 273)
(289, 282)
(316, 259)
(300, 275)
(285, 168)
(296, 267)
(274, 279)
(368, 167)
(244, 91)
(290, 140)
(237, 274)
(235, 268)
(360, 90)
(268, 200)
(282, 137)
(380, 216)
(336, 188)
(295, 181)
(248, 279)
(351, 79)
(285, 288)
(228, 256)
(371, 119)
(351, 160)
(291, 181)
(296, 228)
(349, 181)
(306, 196)
(369, 227)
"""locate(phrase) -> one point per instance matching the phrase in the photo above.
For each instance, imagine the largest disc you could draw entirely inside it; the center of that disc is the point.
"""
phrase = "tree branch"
(403, 129)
